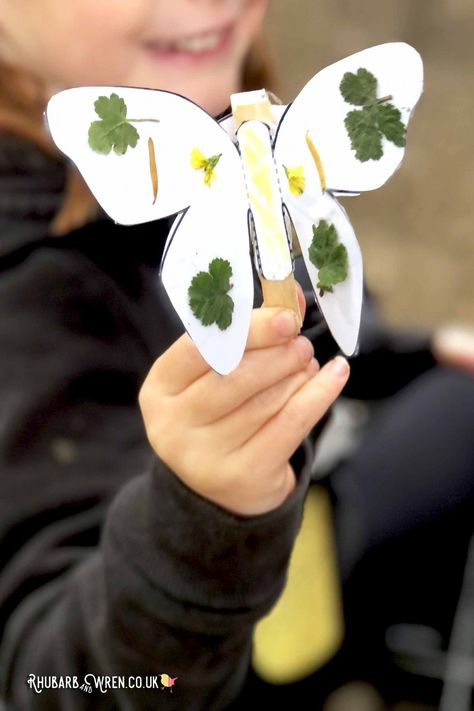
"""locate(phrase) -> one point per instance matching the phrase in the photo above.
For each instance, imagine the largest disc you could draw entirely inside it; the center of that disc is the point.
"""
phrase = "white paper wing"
(320, 110)
(128, 188)
(341, 307)
(214, 228)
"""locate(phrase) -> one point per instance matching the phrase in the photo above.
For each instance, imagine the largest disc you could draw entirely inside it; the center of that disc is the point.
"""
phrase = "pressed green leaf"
(323, 243)
(99, 137)
(125, 136)
(377, 118)
(208, 297)
(390, 124)
(104, 137)
(111, 108)
(359, 89)
(221, 272)
(335, 270)
(366, 138)
(114, 130)
(328, 255)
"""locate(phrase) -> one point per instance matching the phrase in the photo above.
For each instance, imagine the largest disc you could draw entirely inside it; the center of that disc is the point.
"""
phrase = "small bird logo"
(167, 682)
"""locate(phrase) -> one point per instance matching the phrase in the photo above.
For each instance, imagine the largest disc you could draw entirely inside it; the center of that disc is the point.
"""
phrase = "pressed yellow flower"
(198, 159)
(296, 179)
(200, 162)
(209, 175)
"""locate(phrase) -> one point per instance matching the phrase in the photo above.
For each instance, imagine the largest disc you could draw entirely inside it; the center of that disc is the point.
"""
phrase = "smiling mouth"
(195, 46)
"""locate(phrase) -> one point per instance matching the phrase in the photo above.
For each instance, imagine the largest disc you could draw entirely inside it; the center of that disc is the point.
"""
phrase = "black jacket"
(110, 565)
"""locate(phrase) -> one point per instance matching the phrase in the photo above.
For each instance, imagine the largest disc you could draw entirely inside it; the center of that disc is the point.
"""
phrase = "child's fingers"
(280, 437)
(212, 397)
(182, 363)
(231, 431)
(270, 326)
(179, 366)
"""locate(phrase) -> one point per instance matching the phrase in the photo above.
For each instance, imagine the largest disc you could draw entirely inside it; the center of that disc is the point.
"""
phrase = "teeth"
(198, 44)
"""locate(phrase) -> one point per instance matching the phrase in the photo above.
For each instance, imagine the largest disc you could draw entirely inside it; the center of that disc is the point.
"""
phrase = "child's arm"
(178, 581)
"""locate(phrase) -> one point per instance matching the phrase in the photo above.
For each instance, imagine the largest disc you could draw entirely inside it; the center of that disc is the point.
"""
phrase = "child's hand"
(230, 437)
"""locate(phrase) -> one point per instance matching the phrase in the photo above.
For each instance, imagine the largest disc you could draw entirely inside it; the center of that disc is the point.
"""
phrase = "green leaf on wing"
(208, 294)
(328, 255)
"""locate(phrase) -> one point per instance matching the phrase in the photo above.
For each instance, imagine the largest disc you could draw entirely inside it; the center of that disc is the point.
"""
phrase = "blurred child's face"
(193, 47)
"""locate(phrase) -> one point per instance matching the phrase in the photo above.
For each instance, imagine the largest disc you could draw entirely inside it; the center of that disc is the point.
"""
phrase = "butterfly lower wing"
(158, 148)
(321, 121)
(334, 264)
(207, 271)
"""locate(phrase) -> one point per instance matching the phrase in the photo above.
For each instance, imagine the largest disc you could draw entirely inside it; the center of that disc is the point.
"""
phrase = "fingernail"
(313, 367)
(305, 347)
(340, 367)
(286, 323)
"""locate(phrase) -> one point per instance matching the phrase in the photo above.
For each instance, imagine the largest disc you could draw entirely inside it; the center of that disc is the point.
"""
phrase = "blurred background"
(417, 231)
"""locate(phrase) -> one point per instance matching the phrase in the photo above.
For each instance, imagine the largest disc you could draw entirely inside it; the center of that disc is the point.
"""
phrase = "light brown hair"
(22, 105)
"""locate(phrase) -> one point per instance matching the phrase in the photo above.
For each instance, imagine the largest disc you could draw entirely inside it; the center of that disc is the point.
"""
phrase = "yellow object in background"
(305, 628)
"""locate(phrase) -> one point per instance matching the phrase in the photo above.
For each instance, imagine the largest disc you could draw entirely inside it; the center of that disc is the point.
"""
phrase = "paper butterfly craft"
(147, 154)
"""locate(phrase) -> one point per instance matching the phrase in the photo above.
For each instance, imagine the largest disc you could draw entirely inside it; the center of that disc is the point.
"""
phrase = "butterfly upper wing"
(123, 184)
(321, 110)
(214, 227)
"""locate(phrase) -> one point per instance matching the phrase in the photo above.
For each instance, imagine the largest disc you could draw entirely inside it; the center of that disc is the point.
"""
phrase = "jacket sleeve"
(174, 588)
(115, 572)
